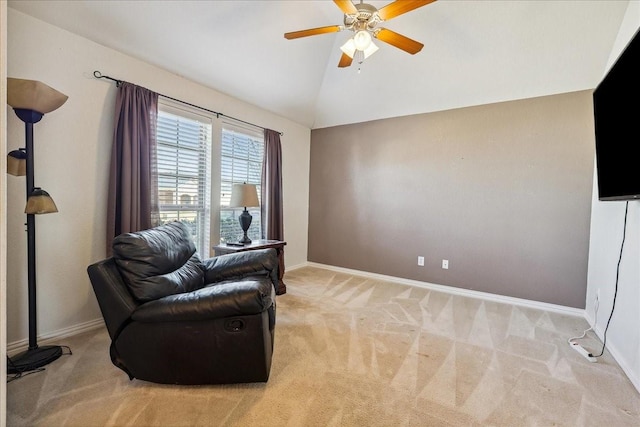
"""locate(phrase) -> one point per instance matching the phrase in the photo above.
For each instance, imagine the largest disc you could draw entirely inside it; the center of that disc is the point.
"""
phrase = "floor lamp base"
(33, 359)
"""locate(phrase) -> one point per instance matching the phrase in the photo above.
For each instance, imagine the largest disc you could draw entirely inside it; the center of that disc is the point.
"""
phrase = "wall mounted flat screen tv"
(616, 108)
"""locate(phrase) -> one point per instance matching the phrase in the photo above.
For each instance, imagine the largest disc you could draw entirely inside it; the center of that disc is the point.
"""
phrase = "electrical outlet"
(421, 261)
(445, 264)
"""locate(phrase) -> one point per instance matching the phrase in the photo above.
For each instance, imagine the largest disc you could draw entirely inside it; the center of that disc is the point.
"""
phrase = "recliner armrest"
(220, 300)
(114, 299)
(242, 264)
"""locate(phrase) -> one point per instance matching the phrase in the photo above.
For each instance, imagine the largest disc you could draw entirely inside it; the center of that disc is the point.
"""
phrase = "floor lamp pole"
(35, 356)
(31, 243)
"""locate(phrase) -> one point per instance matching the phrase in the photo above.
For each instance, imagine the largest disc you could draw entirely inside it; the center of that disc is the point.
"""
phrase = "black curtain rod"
(99, 75)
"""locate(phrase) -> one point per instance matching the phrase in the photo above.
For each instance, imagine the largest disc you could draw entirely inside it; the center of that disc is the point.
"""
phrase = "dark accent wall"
(502, 191)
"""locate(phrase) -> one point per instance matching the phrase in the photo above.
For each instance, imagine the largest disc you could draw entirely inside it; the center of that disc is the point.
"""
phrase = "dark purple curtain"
(133, 193)
(271, 208)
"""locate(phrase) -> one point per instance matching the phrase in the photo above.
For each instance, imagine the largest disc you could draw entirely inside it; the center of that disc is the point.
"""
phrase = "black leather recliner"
(176, 319)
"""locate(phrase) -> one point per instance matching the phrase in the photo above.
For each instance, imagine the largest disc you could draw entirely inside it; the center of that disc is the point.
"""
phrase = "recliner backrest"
(159, 261)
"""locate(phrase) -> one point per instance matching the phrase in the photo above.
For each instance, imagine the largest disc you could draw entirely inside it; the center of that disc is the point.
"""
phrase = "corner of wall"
(3, 210)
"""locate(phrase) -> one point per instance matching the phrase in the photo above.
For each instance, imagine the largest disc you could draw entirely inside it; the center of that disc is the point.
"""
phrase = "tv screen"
(616, 108)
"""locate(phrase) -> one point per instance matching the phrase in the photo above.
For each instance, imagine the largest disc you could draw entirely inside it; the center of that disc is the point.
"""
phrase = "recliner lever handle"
(234, 325)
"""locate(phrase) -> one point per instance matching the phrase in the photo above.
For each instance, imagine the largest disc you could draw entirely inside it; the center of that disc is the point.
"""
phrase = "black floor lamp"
(31, 100)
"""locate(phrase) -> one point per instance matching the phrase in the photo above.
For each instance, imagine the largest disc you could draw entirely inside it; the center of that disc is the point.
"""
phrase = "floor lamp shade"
(40, 202)
(244, 195)
(31, 100)
(33, 95)
(17, 163)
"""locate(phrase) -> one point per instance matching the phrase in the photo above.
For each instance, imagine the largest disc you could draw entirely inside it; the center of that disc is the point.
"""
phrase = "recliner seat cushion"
(220, 300)
(159, 262)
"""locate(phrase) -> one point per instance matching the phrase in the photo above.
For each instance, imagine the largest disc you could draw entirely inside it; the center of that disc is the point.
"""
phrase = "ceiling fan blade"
(345, 61)
(399, 7)
(346, 6)
(312, 32)
(399, 41)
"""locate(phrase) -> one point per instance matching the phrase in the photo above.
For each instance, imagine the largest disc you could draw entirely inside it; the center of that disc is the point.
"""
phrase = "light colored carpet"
(352, 351)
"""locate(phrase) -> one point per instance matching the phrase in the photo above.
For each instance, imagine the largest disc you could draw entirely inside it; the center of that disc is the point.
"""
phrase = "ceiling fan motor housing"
(365, 19)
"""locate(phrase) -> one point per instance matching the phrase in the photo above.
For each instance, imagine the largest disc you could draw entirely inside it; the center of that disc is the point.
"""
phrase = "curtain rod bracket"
(98, 75)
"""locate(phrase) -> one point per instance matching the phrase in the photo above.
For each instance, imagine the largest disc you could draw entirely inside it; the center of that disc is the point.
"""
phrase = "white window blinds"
(242, 149)
(184, 177)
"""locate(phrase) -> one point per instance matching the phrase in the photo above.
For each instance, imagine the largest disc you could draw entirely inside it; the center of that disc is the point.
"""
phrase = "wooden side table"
(278, 245)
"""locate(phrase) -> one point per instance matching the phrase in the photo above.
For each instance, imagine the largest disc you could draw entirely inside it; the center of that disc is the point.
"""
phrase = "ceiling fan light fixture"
(362, 40)
(370, 50)
(349, 48)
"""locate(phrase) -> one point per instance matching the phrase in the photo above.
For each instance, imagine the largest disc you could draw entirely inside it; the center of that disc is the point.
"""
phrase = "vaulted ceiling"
(475, 52)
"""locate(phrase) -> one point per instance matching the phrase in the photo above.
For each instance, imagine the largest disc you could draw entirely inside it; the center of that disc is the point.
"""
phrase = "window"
(184, 171)
(242, 149)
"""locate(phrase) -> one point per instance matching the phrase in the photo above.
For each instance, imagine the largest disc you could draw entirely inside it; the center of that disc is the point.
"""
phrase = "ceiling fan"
(363, 20)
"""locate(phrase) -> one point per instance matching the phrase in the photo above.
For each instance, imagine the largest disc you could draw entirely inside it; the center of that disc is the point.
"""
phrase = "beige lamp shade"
(40, 202)
(33, 95)
(244, 195)
(17, 163)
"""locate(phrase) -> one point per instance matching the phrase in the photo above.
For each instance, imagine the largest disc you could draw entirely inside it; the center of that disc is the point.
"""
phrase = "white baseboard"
(297, 266)
(615, 353)
(451, 290)
(50, 338)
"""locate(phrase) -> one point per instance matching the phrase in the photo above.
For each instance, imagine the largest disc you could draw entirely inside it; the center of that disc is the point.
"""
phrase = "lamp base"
(245, 221)
(33, 359)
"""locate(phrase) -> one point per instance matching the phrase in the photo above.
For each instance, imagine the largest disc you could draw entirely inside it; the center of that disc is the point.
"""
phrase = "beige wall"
(502, 191)
(72, 149)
